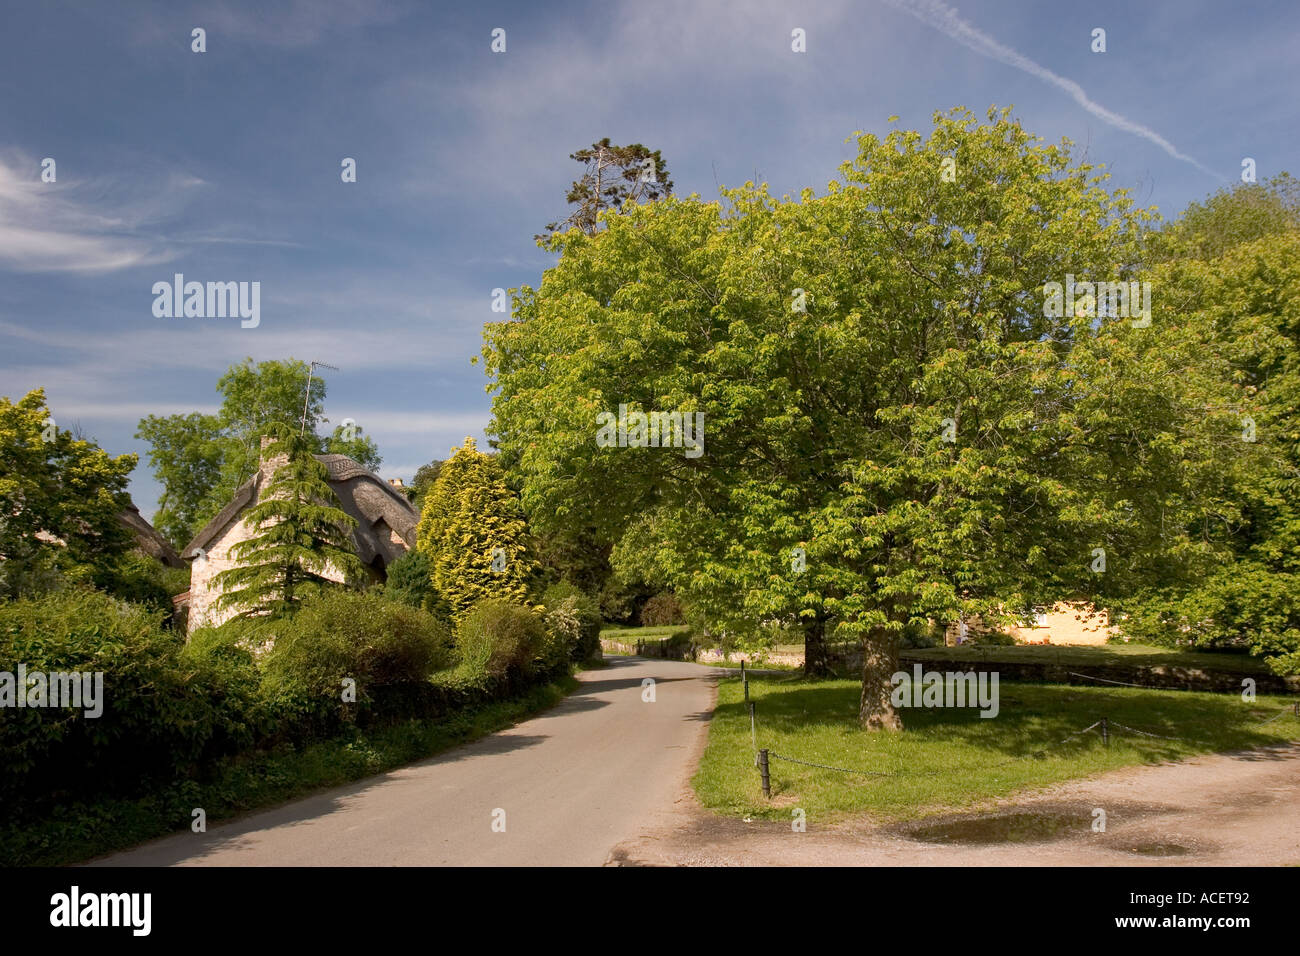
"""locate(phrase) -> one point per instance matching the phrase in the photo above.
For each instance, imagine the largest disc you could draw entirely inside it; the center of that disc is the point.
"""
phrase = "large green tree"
(898, 424)
(186, 456)
(301, 537)
(60, 498)
(1231, 268)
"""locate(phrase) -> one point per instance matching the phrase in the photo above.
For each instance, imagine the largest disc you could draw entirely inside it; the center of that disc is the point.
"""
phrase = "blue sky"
(225, 165)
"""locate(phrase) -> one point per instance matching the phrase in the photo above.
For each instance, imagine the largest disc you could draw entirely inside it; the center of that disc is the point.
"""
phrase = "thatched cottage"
(385, 530)
(147, 539)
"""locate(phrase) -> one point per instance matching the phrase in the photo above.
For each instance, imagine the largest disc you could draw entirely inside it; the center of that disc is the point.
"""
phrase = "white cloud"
(948, 21)
(48, 227)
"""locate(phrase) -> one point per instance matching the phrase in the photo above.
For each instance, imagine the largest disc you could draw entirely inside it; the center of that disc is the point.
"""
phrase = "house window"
(1040, 617)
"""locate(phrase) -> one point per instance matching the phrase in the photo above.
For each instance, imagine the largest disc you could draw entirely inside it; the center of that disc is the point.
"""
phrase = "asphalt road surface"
(600, 768)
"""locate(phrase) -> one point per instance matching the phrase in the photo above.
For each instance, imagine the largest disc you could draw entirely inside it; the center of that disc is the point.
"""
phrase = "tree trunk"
(879, 663)
(816, 656)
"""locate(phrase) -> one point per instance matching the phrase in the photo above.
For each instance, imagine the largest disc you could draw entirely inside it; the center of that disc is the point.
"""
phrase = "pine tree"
(301, 534)
(473, 531)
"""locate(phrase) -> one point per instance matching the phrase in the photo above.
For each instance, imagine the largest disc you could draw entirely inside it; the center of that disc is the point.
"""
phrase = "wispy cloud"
(292, 24)
(948, 21)
(48, 227)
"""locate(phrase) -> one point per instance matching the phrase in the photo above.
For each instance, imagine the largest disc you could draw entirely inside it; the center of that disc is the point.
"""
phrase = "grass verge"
(951, 759)
(1103, 655)
(256, 781)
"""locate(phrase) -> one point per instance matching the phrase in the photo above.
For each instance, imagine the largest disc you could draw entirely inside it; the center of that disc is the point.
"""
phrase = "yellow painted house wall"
(1072, 622)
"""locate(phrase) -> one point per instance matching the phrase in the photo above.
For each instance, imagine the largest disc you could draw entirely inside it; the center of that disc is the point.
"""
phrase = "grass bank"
(951, 759)
(256, 781)
(1103, 655)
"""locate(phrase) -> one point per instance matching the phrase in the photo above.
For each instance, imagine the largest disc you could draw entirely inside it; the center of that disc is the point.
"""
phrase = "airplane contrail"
(948, 21)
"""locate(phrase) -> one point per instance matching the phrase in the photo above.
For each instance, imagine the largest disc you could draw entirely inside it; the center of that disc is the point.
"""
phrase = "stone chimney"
(266, 466)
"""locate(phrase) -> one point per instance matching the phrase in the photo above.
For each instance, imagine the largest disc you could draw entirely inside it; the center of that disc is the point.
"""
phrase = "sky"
(225, 165)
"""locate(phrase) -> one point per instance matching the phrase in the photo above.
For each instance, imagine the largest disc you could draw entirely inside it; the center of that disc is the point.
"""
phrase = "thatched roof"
(147, 538)
(373, 502)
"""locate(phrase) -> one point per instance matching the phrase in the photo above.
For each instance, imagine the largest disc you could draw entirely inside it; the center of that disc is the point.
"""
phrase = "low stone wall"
(715, 656)
(665, 649)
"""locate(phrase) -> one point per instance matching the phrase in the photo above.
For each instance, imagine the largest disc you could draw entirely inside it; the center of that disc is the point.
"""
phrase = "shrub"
(575, 615)
(409, 582)
(502, 640)
(918, 634)
(162, 713)
(662, 610)
(990, 638)
(385, 647)
(140, 579)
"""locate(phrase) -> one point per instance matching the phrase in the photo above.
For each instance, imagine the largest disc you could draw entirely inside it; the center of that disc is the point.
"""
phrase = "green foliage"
(301, 535)
(360, 447)
(621, 599)
(162, 711)
(473, 533)
(505, 641)
(660, 610)
(381, 645)
(1241, 313)
(422, 483)
(576, 555)
(575, 617)
(185, 455)
(410, 581)
(1244, 213)
(923, 307)
(60, 498)
(142, 579)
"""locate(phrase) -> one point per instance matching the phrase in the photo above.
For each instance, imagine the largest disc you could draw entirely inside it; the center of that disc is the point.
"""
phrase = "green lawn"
(951, 758)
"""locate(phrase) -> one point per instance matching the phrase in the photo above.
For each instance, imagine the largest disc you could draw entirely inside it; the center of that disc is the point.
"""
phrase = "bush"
(387, 648)
(503, 641)
(163, 713)
(990, 638)
(661, 611)
(409, 582)
(575, 615)
(919, 634)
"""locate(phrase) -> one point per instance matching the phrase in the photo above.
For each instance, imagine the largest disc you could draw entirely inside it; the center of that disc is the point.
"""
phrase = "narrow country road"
(592, 772)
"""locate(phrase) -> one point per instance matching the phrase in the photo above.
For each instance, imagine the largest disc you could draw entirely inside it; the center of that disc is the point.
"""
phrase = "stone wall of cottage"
(204, 592)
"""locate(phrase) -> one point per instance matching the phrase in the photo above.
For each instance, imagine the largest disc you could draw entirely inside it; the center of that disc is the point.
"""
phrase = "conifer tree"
(473, 531)
(300, 534)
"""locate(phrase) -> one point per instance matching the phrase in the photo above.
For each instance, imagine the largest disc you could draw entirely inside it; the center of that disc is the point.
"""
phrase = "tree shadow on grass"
(1033, 718)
